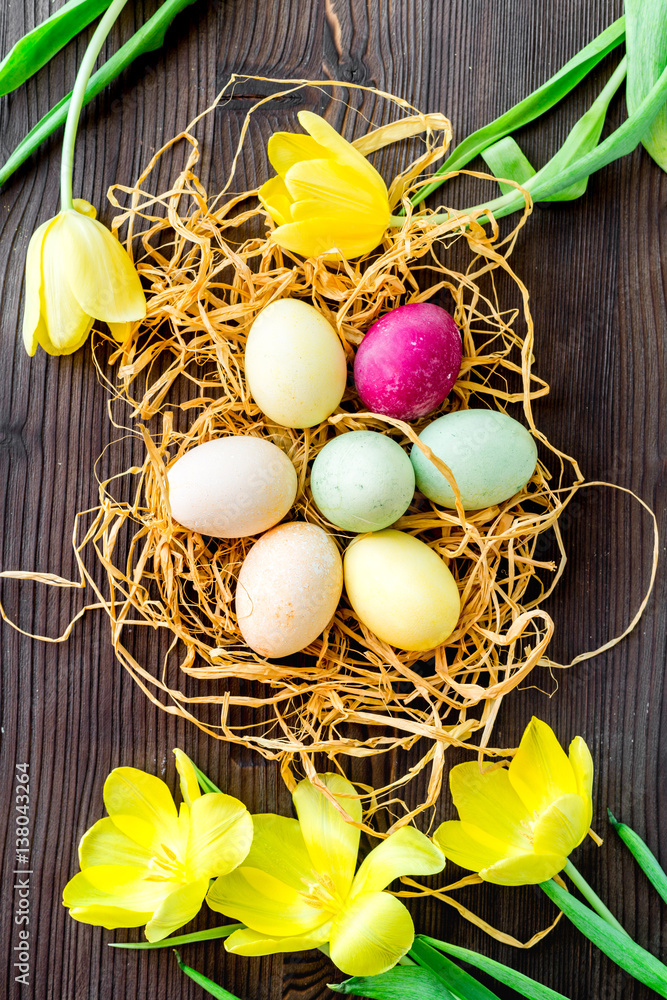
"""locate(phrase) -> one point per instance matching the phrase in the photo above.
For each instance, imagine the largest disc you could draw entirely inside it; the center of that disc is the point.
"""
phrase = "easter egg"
(408, 361)
(362, 481)
(401, 590)
(295, 364)
(491, 455)
(288, 588)
(232, 487)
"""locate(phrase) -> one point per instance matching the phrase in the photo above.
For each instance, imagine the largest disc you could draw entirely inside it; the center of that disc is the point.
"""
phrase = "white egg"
(288, 588)
(232, 487)
(295, 364)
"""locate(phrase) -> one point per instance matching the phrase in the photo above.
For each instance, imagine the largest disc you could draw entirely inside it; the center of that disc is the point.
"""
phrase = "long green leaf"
(502, 973)
(550, 181)
(644, 857)
(461, 982)
(617, 946)
(403, 982)
(647, 57)
(219, 992)
(545, 97)
(148, 38)
(586, 135)
(36, 48)
(209, 935)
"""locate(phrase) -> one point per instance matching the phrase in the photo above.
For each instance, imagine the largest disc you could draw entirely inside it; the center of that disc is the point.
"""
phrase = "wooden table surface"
(599, 293)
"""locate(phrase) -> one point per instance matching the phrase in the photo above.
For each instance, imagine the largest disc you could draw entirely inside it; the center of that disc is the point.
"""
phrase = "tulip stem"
(592, 897)
(74, 113)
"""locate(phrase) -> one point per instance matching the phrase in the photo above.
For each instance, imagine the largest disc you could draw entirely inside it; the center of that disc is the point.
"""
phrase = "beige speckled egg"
(295, 364)
(288, 588)
(232, 487)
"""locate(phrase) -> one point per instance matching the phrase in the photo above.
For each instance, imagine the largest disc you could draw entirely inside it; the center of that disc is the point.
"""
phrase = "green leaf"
(502, 973)
(644, 857)
(148, 38)
(209, 935)
(545, 97)
(505, 159)
(36, 48)
(205, 783)
(461, 982)
(646, 48)
(403, 982)
(585, 135)
(206, 984)
(616, 945)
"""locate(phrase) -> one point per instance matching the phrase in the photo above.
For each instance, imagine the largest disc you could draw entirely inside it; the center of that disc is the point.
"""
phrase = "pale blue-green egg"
(491, 455)
(362, 481)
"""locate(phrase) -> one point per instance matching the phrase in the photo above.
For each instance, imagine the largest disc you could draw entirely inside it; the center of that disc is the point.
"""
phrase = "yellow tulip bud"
(77, 272)
(327, 199)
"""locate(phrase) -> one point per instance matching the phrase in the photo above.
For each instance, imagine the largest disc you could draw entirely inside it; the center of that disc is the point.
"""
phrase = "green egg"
(362, 481)
(491, 455)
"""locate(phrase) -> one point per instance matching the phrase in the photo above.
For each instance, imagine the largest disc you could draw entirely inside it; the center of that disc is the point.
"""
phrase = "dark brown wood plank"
(596, 272)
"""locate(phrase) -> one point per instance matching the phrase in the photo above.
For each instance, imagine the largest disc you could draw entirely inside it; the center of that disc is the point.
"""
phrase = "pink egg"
(408, 361)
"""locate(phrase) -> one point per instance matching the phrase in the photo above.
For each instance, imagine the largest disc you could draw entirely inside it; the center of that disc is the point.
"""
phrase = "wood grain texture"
(597, 275)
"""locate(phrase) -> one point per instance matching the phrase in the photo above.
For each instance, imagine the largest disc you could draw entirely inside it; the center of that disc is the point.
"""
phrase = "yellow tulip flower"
(77, 272)
(297, 888)
(327, 199)
(518, 825)
(147, 863)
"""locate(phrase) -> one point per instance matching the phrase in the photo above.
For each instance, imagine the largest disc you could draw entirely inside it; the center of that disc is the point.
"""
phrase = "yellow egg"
(401, 590)
(295, 364)
(288, 588)
(232, 487)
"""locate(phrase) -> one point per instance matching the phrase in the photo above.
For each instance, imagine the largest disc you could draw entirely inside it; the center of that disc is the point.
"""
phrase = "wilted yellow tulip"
(297, 888)
(518, 825)
(77, 272)
(148, 863)
(327, 198)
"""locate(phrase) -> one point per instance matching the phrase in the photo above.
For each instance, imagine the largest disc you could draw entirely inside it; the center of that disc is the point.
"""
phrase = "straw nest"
(210, 267)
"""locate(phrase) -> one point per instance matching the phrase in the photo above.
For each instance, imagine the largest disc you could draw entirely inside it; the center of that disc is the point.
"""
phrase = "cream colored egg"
(401, 590)
(232, 487)
(288, 588)
(295, 364)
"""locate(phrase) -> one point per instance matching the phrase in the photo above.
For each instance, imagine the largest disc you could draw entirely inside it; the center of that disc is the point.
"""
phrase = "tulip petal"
(32, 318)
(562, 826)
(105, 844)
(189, 782)
(142, 807)
(338, 189)
(120, 331)
(278, 843)
(486, 799)
(264, 903)
(220, 835)
(328, 235)
(332, 843)
(371, 934)
(180, 907)
(344, 151)
(67, 323)
(109, 917)
(101, 274)
(582, 765)
(249, 942)
(276, 199)
(468, 846)
(287, 148)
(113, 888)
(406, 852)
(525, 869)
(540, 771)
